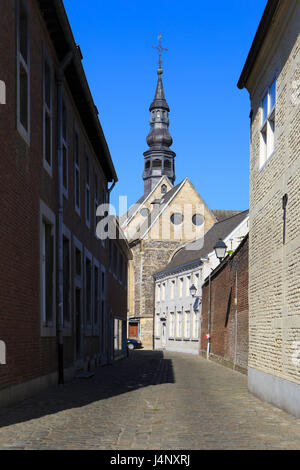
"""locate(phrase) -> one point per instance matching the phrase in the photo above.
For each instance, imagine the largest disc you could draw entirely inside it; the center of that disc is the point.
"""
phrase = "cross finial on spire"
(160, 49)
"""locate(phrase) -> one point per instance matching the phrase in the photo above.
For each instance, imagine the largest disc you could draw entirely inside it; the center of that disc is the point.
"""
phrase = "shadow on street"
(142, 368)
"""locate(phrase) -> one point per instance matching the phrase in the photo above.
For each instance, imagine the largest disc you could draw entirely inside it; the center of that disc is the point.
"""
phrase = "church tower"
(159, 159)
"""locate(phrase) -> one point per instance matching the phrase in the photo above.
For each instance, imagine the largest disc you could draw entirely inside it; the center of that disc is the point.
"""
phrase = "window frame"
(96, 202)
(268, 125)
(88, 325)
(96, 324)
(87, 190)
(47, 111)
(187, 325)
(46, 215)
(66, 147)
(171, 325)
(67, 326)
(76, 158)
(25, 133)
(179, 325)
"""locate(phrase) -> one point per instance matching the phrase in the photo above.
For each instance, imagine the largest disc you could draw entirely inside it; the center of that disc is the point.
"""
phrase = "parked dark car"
(134, 344)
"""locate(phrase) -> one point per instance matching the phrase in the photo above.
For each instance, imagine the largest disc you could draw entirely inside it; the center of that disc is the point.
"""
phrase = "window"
(96, 294)
(88, 290)
(78, 262)
(195, 325)
(47, 114)
(158, 293)
(125, 273)
(77, 258)
(96, 202)
(163, 189)
(157, 325)
(180, 287)
(197, 219)
(172, 289)
(156, 163)
(66, 282)
(76, 173)
(187, 325)
(104, 200)
(144, 212)
(87, 192)
(23, 72)
(65, 148)
(172, 325)
(163, 292)
(176, 218)
(179, 325)
(118, 337)
(120, 267)
(267, 131)
(110, 249)
(115, 260)
(47, 270)
(187, 286)
(196, 281)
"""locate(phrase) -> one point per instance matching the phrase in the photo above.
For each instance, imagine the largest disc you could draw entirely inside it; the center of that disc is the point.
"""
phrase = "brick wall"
(229, 325)
(24, 182)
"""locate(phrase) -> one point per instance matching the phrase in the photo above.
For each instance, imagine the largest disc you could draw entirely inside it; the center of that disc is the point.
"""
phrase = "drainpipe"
(209, 319)
(109, 190)
(236, 320)
(59, 81)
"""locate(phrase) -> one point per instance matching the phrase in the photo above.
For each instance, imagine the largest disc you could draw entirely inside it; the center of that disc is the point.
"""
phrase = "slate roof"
(196, 250)
(221, 214)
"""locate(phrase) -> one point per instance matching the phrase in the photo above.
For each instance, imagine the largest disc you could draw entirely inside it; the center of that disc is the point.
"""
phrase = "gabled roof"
(60, 33)
(126, 218)
(259, 38)
(221, 214)
(156, 213)
(193, 251)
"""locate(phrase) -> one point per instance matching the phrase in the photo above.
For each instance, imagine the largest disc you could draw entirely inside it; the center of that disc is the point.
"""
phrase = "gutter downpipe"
(59, 81)
(209, 319)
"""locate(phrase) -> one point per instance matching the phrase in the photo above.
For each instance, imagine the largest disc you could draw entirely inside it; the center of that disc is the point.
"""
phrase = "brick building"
(177, 322)
(225, 309)
(55, 170)
(271, 75)
(163, 220)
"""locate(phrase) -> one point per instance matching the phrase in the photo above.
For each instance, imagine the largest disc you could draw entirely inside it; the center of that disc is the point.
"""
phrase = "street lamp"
(220, 249)
(193, 290)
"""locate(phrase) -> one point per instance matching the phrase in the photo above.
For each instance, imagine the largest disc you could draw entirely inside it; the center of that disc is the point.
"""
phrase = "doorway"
(164, 335)
(78, 324)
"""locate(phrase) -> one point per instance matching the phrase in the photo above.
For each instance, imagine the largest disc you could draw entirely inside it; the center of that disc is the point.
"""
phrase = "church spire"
(159, 159)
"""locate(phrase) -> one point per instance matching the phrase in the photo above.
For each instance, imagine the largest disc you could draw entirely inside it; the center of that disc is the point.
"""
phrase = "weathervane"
(160, 49)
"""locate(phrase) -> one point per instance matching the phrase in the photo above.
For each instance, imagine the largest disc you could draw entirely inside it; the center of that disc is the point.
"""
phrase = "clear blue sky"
(208, 42)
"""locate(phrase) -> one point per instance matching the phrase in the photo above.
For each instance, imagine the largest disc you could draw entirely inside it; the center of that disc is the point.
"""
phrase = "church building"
(165, 218)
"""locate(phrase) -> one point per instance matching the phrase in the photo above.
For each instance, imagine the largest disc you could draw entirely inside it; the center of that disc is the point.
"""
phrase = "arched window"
(156, 164)
(163, 189)
(167, 164)
(147, 164)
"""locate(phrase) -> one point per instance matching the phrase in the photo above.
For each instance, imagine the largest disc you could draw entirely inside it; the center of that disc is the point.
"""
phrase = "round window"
(164, 189)
(176, 218)
(144, 212)
(197, 219)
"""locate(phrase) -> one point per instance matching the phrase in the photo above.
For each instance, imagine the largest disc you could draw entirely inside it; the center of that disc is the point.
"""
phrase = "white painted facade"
(177, 326)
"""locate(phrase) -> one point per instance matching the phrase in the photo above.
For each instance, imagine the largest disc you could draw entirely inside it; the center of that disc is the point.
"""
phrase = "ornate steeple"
(159, 159)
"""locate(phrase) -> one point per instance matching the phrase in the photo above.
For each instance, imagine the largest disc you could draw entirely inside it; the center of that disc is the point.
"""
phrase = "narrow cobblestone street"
(151, 400)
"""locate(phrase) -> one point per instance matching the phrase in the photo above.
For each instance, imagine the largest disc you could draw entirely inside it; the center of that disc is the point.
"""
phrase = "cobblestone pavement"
(151, 400)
